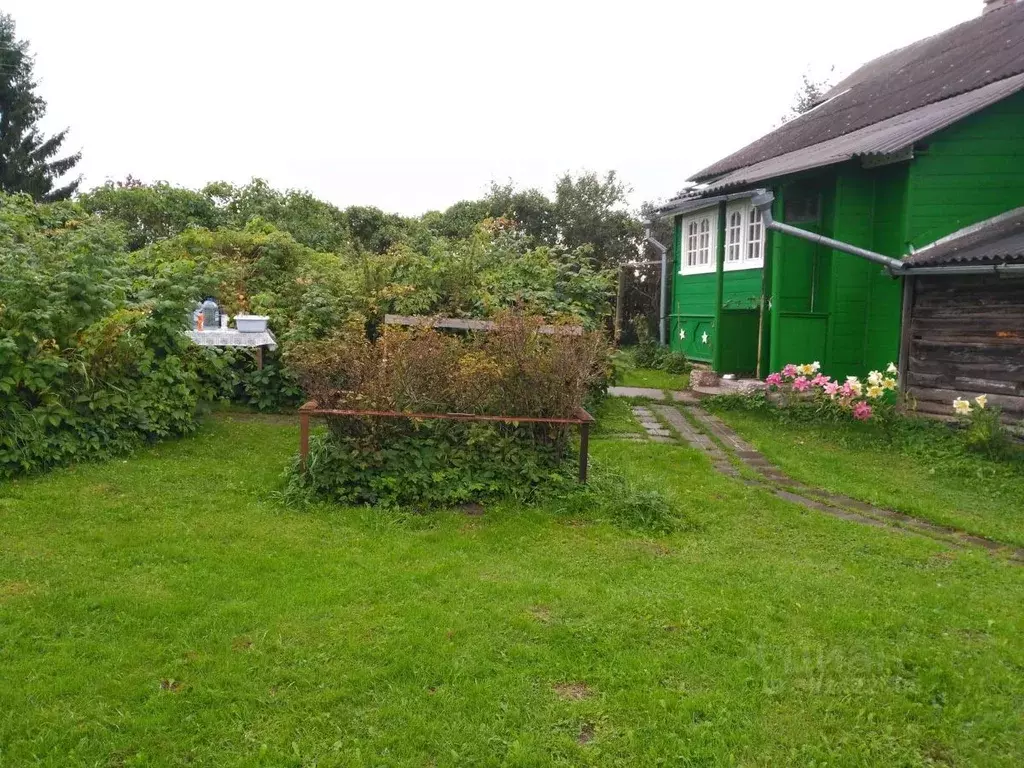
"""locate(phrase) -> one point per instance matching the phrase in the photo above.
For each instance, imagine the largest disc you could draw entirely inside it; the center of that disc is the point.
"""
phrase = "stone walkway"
(730, 454)
(652, 394)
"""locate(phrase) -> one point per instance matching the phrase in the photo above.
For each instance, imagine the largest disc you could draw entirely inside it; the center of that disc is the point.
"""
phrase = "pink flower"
(774, 380)
(831, 388)
(846, 390)
(862, 411)
(790, 371)
(820, 380)
(801, 384)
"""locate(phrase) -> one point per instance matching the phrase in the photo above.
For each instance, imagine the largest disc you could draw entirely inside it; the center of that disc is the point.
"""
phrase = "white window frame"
(754, 251)
(749, 216)
(699, 243)
(735, 221)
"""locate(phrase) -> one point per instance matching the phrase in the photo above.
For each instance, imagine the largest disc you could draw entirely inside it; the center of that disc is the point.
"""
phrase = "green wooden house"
(913, 146)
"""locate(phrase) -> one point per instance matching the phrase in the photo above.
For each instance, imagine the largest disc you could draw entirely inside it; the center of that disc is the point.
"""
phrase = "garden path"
(731, 455)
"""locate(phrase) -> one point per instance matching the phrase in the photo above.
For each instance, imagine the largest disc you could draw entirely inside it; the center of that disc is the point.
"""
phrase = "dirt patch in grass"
(9, 589)
(171, 685)
(655, 548)
(586, 734)
(541, 613)
(473, 509)
(241, 643)
(573, 691)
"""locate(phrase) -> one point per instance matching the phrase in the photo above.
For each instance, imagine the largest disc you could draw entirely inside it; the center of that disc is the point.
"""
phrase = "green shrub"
(648, 353)
(431, 463)
(610, 496)
(93, 360)
(512, 371)
(983, 430)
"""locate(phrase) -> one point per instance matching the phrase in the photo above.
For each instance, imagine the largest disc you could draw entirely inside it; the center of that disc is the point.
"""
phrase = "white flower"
(642, 278)
(815, 366)
(875, 378)
(890, 384)
(982, 401)
(961, 406)
(891, 368)
(855, 385)
(636, 273)
(875, 391)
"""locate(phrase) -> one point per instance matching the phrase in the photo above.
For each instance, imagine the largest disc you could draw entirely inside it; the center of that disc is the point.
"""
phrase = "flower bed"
(861, 400)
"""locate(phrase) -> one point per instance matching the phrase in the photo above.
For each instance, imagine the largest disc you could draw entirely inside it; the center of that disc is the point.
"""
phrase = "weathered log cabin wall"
(966, 339)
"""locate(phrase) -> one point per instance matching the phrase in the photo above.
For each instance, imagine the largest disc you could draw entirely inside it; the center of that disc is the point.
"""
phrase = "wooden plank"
(995, 370)
(948, 381)
(947, 396)
(907, 315)
(968, 350)
(467, 324)
(1008, 326)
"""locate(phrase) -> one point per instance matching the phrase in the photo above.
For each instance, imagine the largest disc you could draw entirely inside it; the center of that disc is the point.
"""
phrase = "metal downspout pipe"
(763, 202)
(895, 267)
(663, 319)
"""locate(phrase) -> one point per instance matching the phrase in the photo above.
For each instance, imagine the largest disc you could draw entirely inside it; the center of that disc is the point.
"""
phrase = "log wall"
(967, 338)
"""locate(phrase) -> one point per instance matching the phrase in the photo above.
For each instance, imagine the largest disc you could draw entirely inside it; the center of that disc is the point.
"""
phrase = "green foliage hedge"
(92, 361)
(434, 463)
(94, 297)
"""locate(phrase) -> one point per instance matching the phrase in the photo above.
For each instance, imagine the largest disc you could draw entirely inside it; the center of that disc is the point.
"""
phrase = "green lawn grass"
(167, 610)
(847, 458)
(628, 375)
(616, 418)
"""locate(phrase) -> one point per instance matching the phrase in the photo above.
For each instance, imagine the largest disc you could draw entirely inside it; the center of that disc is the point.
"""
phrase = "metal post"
(304, 433)
(619, 301)
(584, 450)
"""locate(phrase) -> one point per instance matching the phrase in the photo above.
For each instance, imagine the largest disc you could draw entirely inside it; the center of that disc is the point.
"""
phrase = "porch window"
(755, 236)
(699, 236)
(744, 237)
(734, 238)
(704, 250)
(691, 244)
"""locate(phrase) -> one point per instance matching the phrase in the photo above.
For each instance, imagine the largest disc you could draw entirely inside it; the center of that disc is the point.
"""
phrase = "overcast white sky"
(412, 106)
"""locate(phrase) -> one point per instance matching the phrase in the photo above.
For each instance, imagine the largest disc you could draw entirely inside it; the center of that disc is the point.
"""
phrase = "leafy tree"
(151, 212)
(810, 94)
(530, 209)
(29, 161)
(590, 210)
(311, 221)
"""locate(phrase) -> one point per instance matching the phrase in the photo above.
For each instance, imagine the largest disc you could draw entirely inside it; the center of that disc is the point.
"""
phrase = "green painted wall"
(738, 350)
(693, 311)
(801, 280)
(882, 340)
(836, 308)
(967, 173)
(833, 307)
(741, 289)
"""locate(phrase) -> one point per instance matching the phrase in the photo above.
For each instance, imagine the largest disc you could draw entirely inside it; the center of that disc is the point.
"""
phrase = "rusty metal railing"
(582, 419)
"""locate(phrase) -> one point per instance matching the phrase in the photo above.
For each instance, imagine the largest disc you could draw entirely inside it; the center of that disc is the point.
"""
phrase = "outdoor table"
(232, 337)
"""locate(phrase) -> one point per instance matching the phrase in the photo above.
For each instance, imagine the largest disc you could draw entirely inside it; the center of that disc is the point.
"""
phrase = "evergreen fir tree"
(29, 160)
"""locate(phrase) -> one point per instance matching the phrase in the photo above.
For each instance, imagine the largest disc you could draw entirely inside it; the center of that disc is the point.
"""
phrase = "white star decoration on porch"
(682, 335)
(704, 337)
